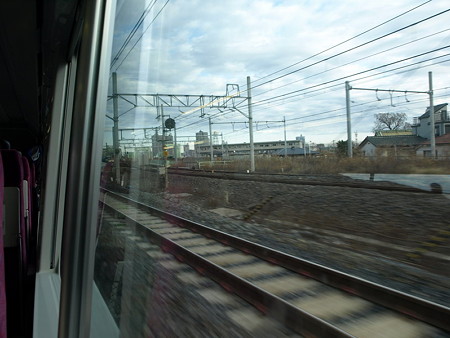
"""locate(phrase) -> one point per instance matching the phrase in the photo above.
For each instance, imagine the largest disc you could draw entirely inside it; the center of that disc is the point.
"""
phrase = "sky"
(298, 56)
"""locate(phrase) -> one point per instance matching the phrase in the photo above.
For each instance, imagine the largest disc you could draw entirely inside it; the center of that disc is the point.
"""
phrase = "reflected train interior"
(112, 225)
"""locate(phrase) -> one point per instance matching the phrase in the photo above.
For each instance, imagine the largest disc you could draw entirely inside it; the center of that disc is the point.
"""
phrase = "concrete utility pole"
(285, 142)
(250, 122)
(164, 152)
(349, 120)
(433, 128)
(163, 141)
(211, 141)
(175, 150)
(116, 145)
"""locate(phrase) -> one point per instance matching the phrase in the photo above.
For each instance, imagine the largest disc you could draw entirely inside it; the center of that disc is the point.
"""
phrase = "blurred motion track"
(306, 297)
(298, 180)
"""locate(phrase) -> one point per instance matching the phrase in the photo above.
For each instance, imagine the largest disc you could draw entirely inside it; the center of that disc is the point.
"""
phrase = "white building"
(243, 149)
(421, 126)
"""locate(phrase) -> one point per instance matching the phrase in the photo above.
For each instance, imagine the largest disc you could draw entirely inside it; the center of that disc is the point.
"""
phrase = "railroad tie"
(258, 207)
(433, 241)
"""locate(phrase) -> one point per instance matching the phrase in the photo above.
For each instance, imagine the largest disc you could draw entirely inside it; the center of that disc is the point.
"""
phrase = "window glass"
(344, 181)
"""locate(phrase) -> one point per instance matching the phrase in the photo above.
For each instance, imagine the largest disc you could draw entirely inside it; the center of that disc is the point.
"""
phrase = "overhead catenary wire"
(365, 77)
(133, 32)
(302, 118)
(218, 114)
(308, 87)
(314, 117)
(354, 48)
(303, 93)
(361, 72)
(335, 86)
(354, 61)
(345, 41)
(143, 33)
(276, 99)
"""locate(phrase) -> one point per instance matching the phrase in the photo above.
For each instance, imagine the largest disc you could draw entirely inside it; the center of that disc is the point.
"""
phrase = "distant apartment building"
(301, 138)
(201, 139)
(158, 141)
(187, 151)
(243, 149)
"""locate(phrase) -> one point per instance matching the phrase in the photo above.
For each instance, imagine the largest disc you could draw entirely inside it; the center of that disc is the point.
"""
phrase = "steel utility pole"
(211, 141)
(164, 152)
(250, 122)
(175, 149)
(285, 141)
(433, 130)
(349, 120)
(116, 145)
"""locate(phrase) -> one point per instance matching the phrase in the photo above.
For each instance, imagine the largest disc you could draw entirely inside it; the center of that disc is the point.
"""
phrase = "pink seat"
(15, 240)
(3, 317)
(28, 190)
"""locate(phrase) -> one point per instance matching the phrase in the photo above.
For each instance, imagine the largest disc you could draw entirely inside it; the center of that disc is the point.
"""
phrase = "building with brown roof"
(442, 147)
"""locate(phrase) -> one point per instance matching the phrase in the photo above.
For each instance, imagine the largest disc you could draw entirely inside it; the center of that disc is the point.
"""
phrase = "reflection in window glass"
(359, 185)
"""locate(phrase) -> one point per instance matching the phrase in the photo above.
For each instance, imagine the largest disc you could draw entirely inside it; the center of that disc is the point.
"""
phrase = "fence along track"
(302, 301)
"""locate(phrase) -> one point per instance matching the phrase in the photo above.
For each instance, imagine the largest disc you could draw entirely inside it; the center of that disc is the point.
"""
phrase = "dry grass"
(335, 165)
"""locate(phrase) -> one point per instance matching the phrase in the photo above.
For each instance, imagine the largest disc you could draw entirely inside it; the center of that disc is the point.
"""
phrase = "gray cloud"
(197, 47)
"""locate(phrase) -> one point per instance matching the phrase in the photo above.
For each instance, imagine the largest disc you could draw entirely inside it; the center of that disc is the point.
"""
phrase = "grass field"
(335, 165)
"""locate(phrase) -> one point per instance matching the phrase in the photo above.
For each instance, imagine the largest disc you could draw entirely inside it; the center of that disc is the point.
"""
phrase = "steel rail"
(294, 318)
(254, 178)
(414, 307)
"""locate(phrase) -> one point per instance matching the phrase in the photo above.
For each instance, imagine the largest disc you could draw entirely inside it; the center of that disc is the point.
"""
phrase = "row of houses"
(413, 142)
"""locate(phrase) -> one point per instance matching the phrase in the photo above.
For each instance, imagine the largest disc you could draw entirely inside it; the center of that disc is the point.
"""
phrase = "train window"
(313, 235)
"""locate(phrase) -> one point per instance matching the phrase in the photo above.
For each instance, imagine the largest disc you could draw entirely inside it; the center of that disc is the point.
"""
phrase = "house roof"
(404, 140)
(394, 132)
(436, 108)
(443, 139)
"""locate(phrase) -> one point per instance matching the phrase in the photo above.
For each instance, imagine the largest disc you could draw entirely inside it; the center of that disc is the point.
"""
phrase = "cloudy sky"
(298, 55)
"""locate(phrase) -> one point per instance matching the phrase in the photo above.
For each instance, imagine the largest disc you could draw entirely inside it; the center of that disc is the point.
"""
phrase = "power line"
(342, 108)
(351, 62)
(259, 103)
(353, 48)
(223, 113)
(133, 32)
(139, 39)
(290, 93)
(303, 92)
(302, 119)
(358, 73)
(348, 50)
(343, 42)
(321, 113)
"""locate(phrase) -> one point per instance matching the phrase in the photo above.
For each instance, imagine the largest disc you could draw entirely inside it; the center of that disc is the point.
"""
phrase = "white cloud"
(197, 47)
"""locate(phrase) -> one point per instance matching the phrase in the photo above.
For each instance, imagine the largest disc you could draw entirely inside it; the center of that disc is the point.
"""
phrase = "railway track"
(307, 298)
(316, 180)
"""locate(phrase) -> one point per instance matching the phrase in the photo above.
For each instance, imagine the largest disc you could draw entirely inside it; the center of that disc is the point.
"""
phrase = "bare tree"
(390, 121)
